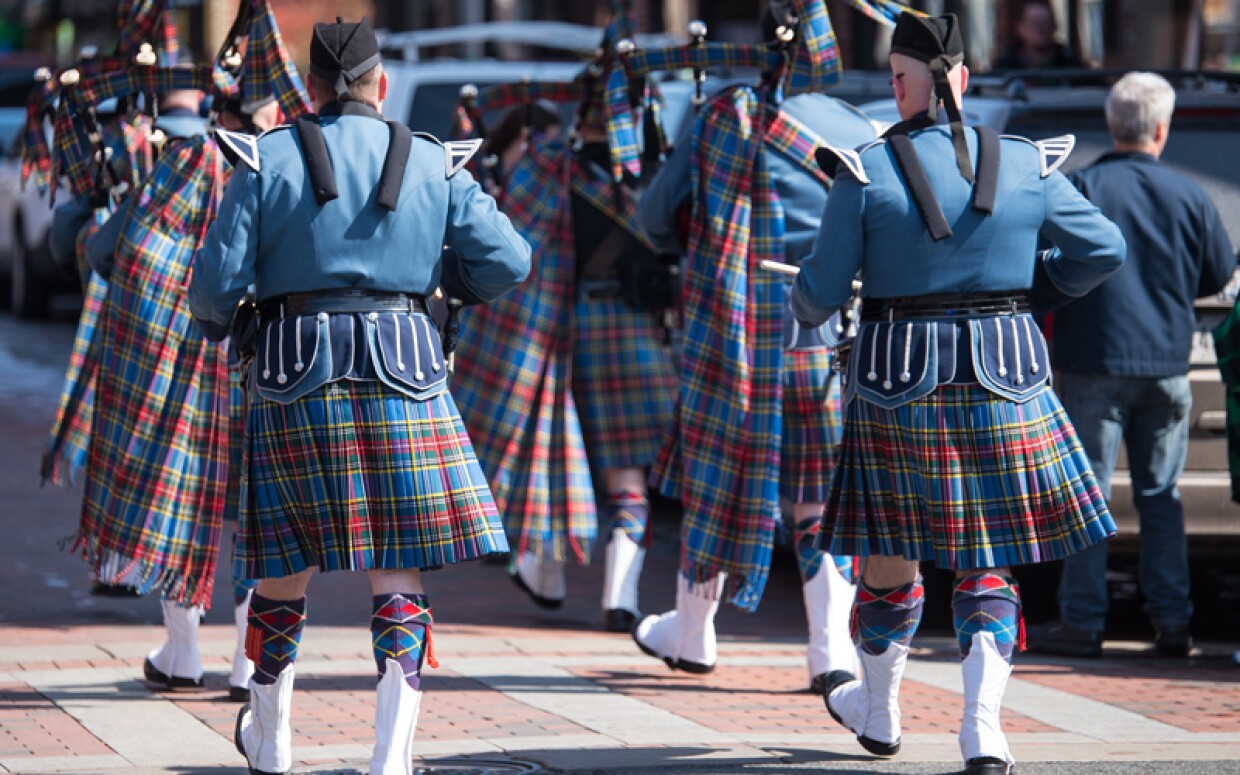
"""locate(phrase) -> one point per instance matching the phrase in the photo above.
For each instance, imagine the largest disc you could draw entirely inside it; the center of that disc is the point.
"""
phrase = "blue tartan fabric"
(158, 478)
(68, 441)
(356, 476)
(513, 372)
(812, 426)
(729, 425)
(623, 383)
(966, 479)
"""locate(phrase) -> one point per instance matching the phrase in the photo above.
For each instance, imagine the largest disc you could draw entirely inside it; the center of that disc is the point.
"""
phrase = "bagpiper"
(955, 448)
(356, 458)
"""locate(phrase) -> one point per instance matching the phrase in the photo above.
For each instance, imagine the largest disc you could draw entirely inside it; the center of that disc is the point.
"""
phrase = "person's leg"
(243, 668)
(1157, 447)
(277, 616)
(177, 663)
(828, 591)
(627, 529)
(888, 611)
(400, 628)
(684, 637)
(986, 614)
(1097, 407)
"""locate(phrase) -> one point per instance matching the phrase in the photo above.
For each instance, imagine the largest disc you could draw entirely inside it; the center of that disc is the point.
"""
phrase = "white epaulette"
(238, 146)
(1052, 152)
(830, 158)
(457, 153)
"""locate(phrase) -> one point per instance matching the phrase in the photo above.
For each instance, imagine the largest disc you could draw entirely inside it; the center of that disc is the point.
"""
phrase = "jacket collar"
(1137, 156)
(350, 108)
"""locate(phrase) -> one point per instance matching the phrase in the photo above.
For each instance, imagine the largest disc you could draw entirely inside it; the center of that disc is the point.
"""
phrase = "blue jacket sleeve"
(224, 267)
(491, 258)
(68, 221)
(1087, 247)
(656, 213)
(1218, 260)
(825, 280)
(101, 247)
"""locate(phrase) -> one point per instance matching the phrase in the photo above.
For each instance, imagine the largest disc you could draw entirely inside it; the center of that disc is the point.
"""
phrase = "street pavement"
(520, 689)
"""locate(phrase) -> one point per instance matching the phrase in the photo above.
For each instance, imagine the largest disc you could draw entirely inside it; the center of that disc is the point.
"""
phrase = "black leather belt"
(339, 302)
(947, 305)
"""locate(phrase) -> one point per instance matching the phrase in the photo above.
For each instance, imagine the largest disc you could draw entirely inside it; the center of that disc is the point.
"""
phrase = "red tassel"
(1020, 626)
(253, 643)
(430, 650)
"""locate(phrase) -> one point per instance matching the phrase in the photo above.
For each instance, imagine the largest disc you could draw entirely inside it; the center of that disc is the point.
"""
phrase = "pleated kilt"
(356, 476)
(966, 479)
(811, 425)
(624, 384)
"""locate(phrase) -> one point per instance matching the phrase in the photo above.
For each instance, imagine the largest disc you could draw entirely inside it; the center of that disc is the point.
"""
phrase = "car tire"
(28, 291)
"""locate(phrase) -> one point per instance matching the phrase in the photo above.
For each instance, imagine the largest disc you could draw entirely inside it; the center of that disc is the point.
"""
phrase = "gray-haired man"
(1121, 355)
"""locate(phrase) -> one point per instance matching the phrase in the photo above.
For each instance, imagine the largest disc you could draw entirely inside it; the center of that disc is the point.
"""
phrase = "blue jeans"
(1150, 416)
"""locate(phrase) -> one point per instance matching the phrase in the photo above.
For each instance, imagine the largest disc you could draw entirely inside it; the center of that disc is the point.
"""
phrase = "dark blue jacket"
(1139, 323)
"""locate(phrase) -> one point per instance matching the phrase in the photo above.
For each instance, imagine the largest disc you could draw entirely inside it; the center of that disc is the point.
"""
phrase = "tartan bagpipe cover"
(512, 380)
(722, 456)
(158, 481)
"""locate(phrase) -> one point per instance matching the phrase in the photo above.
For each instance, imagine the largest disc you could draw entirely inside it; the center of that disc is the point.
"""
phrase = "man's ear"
(383, 86)
(311, 92)
(964, 79)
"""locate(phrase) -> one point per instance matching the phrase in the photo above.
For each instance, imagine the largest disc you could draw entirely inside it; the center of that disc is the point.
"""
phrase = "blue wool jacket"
(1139, 323)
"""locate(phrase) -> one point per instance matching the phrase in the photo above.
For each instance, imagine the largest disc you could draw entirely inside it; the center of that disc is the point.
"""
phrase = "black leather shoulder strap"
(400, 142)
(986, 183)
(919, 186)
(318, 160)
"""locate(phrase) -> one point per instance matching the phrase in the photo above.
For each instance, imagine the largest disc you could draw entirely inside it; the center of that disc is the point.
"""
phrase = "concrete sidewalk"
(516, 699)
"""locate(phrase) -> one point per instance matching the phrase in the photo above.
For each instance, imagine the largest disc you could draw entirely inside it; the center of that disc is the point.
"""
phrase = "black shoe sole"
(833, 681)
(163, 681)
(100, 589)
(546, 603)
(696, 668)
(619, 620)
(987, 766)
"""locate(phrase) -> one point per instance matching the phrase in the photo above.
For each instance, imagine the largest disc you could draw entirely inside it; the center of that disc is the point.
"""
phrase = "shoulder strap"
(400, 142)
(318, 160)
(919, 186)
(986, 182)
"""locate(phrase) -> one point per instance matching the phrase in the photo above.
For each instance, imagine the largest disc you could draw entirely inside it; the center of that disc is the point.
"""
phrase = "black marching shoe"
(238, 694)
(987, 765)
(102, 589)
(619, 620)
(1173, 641)
(546, 603)
(241, 748)
(165, 681)
(818, 684)
(1064, 640)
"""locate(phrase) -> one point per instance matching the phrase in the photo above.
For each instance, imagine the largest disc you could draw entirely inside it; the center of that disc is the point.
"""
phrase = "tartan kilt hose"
(356, 476)
(624, 384)
(964, 478)
(811, 425)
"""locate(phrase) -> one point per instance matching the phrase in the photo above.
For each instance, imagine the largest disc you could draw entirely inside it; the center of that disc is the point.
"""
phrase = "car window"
(1204, 145)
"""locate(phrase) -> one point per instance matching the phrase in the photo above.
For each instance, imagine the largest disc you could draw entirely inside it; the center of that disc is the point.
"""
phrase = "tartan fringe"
(743, 590)
(112, 567)
(62, 469)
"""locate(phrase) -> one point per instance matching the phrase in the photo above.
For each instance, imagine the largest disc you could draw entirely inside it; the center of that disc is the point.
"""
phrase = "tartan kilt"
(356, 476)
(623, 383)
(966, 479)
(811, 425)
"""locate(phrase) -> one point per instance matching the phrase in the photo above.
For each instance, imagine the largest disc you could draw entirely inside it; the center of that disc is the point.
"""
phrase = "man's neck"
(1148, 148)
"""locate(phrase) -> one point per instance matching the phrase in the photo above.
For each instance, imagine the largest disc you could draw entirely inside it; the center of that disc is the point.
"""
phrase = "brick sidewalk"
(572, 699)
